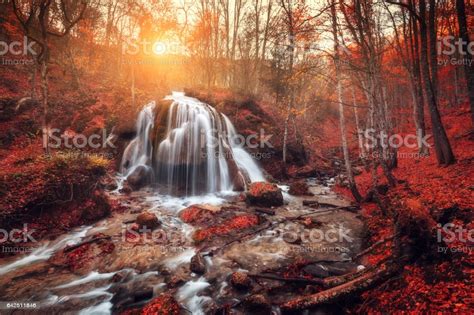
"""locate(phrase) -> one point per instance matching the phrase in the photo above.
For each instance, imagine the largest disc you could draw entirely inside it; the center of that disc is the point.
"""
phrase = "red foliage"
(260, 188)
(164, 304)
(427, 192)
(236, 223)
(195, 214)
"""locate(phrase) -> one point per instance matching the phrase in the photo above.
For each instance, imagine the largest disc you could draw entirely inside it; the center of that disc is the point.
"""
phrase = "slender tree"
(468, 65)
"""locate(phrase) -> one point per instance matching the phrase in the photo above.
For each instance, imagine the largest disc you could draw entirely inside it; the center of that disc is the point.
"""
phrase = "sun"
(159, 48)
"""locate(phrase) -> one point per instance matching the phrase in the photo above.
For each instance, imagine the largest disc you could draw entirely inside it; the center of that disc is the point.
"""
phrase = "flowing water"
(198, 153)
(136, 271)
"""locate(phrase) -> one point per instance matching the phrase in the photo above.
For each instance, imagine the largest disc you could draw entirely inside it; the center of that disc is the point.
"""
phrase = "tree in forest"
(469, 64)
(342, 123)
(41, 21)
(443, 150)
(361, 23)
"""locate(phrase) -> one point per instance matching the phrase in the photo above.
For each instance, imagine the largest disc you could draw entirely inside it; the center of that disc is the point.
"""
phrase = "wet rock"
(341, 268)
(257, 304)
(198, 213)
(231, 226)
(317, 270)
(264, 195)
(163, 304)
(139, 177)
(198, 265)
(240, 280)
(323, 270)
(299, 188)
(126, 189)
(148, 220)
(119, 277)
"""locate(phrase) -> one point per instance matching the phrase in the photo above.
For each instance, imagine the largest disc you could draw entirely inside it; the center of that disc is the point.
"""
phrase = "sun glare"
(159, 48)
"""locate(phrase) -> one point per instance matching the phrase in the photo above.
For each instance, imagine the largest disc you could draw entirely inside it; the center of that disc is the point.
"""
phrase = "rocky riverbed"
(197, 255)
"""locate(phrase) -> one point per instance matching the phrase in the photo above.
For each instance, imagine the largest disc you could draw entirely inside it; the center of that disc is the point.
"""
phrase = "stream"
(134, 272)
(110, 267)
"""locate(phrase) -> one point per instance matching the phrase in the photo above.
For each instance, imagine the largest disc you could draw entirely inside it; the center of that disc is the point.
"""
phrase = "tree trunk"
(468, 66)
(433, 46)
(443, 149)
(419, 109)
(360, 133)
(342, 122)
(44, 101)
(34, 73)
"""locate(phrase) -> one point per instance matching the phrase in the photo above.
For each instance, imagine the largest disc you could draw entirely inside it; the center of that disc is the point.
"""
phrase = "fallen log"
(357, 285)
(295, 280)
(373, 246)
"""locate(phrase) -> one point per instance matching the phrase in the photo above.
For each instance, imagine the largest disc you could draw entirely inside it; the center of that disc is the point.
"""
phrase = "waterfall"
(196, 153)
(139, 151)
(243, 159)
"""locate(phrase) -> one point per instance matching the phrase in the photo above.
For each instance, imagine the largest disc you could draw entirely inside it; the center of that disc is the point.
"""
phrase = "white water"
(46, 250)
(93, 276)
(199, 153)
(187, 294)
(243, 159)
(139, 151)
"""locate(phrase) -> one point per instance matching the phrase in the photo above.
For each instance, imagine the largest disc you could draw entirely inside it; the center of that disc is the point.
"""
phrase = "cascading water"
(197, 152)
(139, 151)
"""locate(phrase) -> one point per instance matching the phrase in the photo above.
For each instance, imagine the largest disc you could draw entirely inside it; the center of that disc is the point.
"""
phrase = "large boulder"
(198, 265)
(139, 178)
(299, 188)
(197, 214)
(148, 220)
(240, 280)
(264, 195)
